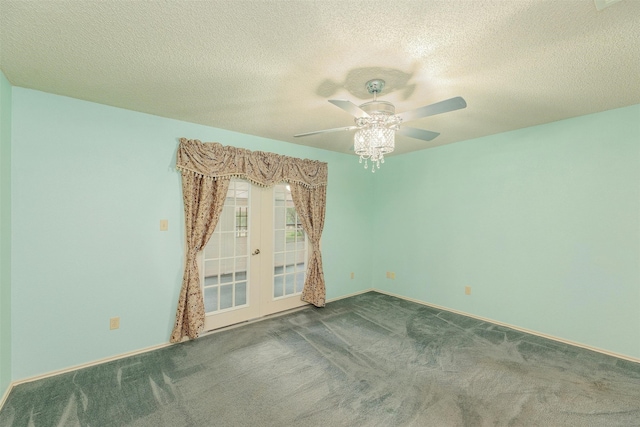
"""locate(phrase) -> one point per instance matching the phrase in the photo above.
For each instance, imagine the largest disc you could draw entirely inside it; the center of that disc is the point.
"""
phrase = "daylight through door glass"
(290, 246)
(226, 255)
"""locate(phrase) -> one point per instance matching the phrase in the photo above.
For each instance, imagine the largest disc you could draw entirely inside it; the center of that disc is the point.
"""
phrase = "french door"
(255, 262)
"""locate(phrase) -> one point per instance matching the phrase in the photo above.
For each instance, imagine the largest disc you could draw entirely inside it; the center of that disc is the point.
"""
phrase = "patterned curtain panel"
(203, 201)
(310, 205)
(207, 169)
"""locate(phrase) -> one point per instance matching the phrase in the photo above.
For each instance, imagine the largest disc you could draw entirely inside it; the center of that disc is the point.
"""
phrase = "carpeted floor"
(368, 360)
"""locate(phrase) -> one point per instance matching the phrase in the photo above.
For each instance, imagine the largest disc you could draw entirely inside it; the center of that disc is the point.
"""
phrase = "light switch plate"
(114, 323)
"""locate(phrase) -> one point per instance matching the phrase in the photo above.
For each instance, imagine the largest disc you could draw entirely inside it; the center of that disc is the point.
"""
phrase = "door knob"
(256, 252)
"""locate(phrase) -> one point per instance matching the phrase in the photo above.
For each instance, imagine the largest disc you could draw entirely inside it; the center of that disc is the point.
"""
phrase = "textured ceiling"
(267, 68)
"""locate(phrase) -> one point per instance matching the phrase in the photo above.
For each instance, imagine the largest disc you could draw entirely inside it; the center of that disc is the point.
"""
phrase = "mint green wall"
(543, 223)
(90, 185)
(5, 234)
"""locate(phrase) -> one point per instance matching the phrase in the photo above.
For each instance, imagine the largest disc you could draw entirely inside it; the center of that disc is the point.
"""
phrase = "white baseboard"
(88, 364)
(517, 328)
(351, 295)
(157, 347)
(5, 395)
(76, 367)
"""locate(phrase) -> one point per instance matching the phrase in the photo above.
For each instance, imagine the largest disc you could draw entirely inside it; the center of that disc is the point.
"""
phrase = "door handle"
(256, 252)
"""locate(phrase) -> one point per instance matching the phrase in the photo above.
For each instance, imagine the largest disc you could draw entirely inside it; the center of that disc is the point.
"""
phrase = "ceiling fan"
(381, 114)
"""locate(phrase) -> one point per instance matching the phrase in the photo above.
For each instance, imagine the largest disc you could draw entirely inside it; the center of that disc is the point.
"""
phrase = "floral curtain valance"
(215, 160)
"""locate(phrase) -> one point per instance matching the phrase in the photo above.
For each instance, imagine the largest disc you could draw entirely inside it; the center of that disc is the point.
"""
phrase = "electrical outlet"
(164, 224)
(392, 276)
(352, 275)
(467, 290)
(388, 275)
(114, 323)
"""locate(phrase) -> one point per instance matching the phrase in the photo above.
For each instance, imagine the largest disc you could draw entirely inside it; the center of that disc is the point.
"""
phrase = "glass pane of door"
(289, 246)
(255, 262)
(226, 255)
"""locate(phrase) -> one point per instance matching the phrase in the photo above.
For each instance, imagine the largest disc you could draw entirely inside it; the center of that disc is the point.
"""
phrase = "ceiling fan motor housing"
(378, 107)
(381, 114)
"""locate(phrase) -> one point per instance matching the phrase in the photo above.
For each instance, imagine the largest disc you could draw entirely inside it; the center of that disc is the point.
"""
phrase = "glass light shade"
(372, 143)
(374, 139)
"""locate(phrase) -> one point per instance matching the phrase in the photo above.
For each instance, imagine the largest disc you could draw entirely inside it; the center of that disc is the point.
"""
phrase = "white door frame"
(260, 271)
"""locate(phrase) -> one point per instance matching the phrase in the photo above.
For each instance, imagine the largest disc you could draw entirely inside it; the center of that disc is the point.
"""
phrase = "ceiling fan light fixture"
(376, 123)
(376, 134)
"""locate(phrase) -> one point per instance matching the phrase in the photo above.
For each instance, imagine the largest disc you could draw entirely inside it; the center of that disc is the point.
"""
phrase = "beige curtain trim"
(245, 176)
(214, 160)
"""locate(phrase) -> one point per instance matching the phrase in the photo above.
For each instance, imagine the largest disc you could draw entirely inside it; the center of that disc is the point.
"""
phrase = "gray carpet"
(368, 360)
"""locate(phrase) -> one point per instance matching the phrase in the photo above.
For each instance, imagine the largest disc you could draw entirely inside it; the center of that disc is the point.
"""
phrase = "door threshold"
(254, 320)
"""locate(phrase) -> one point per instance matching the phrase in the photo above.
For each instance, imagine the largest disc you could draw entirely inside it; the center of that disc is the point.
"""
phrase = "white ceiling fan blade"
(425, 135)
(326, 130)
(433, 109)
(349, 107)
